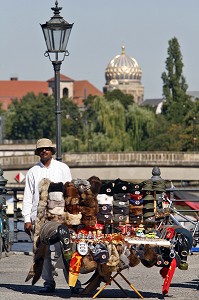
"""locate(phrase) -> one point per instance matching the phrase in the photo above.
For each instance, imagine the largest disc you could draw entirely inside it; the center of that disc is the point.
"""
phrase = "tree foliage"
(177, 102)
(30, 118)
(124, 99)
(34, 117)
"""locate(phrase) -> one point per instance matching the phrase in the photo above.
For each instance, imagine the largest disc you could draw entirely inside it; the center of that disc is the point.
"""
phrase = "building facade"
(124, 73)
(77, 90)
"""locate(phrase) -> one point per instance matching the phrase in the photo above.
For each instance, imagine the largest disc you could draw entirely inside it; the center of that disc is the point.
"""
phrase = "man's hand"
(28, 228)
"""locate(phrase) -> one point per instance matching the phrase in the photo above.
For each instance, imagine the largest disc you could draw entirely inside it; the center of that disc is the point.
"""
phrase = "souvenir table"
(120, 262)
(106, 227)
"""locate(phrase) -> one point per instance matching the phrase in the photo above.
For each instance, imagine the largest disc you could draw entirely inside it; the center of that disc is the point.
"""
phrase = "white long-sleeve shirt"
(56, 172)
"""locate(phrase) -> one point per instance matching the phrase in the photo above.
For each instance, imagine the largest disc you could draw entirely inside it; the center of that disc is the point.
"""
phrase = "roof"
(152, 102)
(193, 94)
(11, 89)
(82, 89)
(63, 78)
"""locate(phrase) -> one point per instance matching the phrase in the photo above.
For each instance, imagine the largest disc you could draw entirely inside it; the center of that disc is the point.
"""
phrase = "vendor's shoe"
(47, 290)
(76, 290)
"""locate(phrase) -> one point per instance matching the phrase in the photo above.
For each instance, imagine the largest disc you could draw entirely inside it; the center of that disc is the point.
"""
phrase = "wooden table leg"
(103, 287)
(113, 279)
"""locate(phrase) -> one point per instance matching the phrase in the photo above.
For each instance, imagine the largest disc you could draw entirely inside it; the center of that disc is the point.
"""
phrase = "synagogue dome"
(122, 68)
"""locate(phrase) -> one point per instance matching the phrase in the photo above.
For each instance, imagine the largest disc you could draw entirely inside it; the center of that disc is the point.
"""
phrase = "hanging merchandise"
(74, 268)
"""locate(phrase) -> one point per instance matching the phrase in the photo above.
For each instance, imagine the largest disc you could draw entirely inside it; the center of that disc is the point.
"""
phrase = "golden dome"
(123, 68)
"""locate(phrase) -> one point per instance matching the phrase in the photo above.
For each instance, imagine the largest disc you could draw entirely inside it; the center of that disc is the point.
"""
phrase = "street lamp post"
(195, 121)
(56, 34)
(89, 136)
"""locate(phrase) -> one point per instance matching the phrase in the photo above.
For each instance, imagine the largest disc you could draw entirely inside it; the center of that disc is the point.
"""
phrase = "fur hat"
(134, 187)
(105, 208)
(82, 185)
(71, 201)
(70, 190)
(121, 210)
(88, 264)
(114, 258)
(133, 258)
(88, 200)
(137, 202)
(72, 219)
(119, 248)
(150, 256)
(135, 210)
(56, 187)
(89, 221)
(71, 193)
(119, 218)
(100, 253)
(107, 188)
(95, 183)
(72, 209)
(104, 199)
(121, 186)
(44, 143)
(119, 203)
(136, 195)
(88, 211)
(122, 197)
(52, 204)
(55, 191)
(43, 188)
(104, 218)
(105, 272)
(135, 219)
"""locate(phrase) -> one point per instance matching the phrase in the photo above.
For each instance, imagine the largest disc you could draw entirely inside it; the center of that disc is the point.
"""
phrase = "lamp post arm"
(57, 67)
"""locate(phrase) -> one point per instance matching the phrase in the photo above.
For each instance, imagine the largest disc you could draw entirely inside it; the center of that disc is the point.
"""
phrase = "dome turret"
(123, 67)
(124, 73)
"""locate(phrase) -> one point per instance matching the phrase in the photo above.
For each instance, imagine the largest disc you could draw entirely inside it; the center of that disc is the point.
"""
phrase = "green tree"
(30, 118)
(192, 127)
(70, 115)
(124, 99)
(110, 122)
(116, 128)
(34, 117)
(177, 102)
(139, 125)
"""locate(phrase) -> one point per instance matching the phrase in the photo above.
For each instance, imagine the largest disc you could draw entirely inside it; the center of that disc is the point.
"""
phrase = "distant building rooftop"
(193, 94)
(156, 103)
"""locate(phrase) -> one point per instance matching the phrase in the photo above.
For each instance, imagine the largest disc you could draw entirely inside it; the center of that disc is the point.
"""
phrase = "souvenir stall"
(106, 227)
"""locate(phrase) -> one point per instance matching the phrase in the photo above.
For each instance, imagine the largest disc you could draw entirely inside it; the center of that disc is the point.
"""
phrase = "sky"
(100, 28)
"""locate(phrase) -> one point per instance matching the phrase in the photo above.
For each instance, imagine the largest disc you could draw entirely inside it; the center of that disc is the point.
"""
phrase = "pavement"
(15, 266)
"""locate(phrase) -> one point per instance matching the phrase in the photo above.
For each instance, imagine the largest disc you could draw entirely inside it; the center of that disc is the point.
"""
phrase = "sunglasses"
(45, 148)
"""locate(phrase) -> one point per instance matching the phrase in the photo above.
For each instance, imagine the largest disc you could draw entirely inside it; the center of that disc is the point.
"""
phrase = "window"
(65, 92)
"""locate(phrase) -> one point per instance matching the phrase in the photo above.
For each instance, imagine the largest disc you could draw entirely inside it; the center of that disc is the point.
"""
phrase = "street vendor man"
(55, 171)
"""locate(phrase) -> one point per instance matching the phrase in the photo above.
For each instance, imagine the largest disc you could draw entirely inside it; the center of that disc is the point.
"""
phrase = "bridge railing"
(155, 158)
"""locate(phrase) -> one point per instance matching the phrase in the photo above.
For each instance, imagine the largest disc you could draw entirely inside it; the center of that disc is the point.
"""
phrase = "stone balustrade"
(108, 159)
